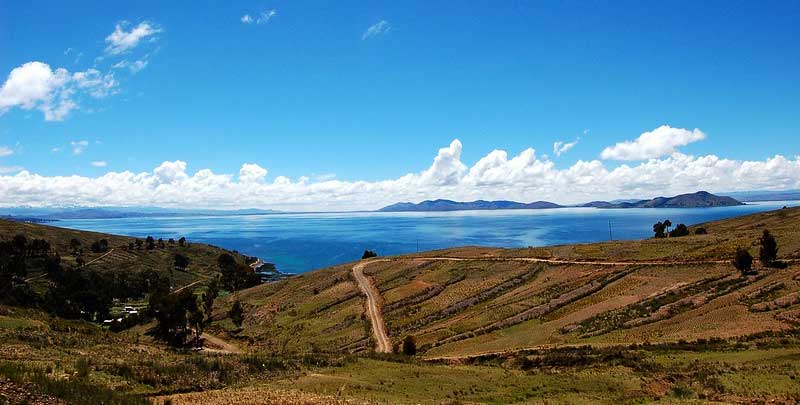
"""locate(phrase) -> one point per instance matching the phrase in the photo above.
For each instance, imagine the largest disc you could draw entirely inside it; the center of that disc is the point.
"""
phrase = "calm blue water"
(301, 242)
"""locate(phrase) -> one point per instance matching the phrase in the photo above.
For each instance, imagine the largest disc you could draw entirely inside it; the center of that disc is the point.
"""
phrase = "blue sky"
(311, 91)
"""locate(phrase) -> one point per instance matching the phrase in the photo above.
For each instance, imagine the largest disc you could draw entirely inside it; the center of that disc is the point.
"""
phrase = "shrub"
(237, 314)
(368, 254)
(743, 261)
(680, 230)
(409, 346)
(700, 231)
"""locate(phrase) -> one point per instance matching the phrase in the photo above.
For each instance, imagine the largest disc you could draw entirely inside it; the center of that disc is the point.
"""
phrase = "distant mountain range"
(448, 205)
(699, 199)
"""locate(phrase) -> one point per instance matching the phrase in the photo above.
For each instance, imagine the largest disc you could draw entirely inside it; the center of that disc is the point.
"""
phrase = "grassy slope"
(470, 307)
(203, 258)
(322, 311)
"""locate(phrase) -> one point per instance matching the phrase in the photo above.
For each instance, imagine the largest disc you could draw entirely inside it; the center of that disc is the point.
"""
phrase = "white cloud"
(560, 147)
(134, 66)
(252, 173)
(6, 151)
(98, 85)
(35, 85)
(659, 142)
(78, 146)
(55, 150)
(99, 163)
(379, 28)
(498, 175)
(262, 18)
(121, 41)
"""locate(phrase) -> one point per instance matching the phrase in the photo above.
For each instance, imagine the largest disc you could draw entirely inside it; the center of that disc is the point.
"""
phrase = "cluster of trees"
(236, 276)
(150, 243)
(99, 246)
(661, 230)
(77, 293)
(182, 316)
(368, 254)
(767, 254)
(17, 257)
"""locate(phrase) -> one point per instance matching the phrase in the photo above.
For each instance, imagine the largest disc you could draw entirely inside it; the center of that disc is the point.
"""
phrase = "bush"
(409, 346)
(680, 230)
(743, 261)
(700, 231)
(368, 254)
(237, 313)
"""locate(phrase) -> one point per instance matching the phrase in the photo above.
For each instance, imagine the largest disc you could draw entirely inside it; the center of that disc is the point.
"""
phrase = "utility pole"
(610, 237)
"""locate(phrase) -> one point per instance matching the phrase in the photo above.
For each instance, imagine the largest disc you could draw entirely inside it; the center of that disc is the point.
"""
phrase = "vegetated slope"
(700, 199)
(493, 300)
(119, 256)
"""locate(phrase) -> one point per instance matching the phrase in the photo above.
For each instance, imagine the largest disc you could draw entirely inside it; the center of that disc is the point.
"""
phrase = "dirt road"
(383, 343)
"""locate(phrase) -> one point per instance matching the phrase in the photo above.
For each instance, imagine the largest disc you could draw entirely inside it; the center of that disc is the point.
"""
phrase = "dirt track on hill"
(383, 343)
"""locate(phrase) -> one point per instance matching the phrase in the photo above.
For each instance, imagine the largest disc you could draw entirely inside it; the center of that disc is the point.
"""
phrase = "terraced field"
(626, 321)
(470, 301)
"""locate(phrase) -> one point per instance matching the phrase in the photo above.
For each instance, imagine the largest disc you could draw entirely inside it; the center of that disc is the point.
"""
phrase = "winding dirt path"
(383, 343)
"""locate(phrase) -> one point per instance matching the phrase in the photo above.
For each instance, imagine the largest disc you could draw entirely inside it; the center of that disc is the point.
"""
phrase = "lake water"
(300, 242)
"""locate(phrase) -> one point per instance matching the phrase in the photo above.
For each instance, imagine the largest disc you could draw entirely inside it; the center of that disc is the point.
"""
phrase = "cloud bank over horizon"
(523, 177)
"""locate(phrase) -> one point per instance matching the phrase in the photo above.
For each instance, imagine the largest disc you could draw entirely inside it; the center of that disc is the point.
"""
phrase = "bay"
(304, 241)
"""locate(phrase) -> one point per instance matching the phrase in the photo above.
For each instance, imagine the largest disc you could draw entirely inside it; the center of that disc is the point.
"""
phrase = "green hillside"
(667, 319)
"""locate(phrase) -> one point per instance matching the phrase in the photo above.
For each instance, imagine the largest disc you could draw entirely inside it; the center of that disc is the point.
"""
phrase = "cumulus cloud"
(35, 85)
(99, 163)
(78, 146)
(497, 175)
(121, 41)
(560, 147)
(659, 142)
(252, 173)
(6, 151)
(379, 28)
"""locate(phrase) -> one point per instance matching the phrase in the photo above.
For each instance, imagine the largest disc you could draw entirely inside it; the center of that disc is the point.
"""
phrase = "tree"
(236, 276)
(368, 254)
(768, 252)
(150, 243)
(99, 246)
(161, 244)
(680, 230)
(658, 229)
(172, 315)
(409, 346)
(171, 241)
(75, 245)
(182, 241)
(237, 314)
(743, 261)
(181, 262)
(700, 231)
(667, 224)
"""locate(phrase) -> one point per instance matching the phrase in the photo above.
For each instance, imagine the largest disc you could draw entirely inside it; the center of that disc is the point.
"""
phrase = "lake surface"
(300, 242)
